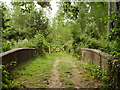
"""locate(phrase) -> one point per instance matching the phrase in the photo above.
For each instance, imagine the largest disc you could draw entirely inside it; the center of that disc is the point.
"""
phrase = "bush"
(36, 42)
(102, 44)
(95, 71)
(22, 44)
(113, 81)
(68, 46)
(5, 78)
(6, 45)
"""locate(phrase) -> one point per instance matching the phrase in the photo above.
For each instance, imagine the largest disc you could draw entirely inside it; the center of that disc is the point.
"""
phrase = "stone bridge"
(19, 55)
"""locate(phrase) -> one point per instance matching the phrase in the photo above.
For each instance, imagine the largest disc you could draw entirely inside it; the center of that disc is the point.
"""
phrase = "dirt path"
(56, 70)
(54, 81)
(78, 77)
(80, 80)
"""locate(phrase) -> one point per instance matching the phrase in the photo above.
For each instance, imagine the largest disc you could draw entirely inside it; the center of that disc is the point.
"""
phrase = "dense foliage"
(76, 25)
(23, 25)
(87, 24)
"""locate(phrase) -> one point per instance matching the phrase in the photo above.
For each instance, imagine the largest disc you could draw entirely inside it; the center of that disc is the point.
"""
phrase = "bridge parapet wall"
(18, 55)
(97, 57)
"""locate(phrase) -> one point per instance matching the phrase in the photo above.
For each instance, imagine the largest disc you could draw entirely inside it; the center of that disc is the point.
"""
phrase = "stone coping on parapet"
(13, 50)
(103, 54)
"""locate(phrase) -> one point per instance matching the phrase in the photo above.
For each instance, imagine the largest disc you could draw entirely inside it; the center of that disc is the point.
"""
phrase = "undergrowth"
(5, 77)
(110, 79)
(95, 71)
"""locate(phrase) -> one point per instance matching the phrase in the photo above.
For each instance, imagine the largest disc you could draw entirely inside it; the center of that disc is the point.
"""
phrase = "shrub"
(95, 71)
(22, 44)
(5, 77)
(36, 42)
(6, 45)
(113, 80)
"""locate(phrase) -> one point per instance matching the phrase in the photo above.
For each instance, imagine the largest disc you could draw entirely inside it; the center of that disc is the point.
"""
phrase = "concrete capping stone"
(14, 50)
(99, 52)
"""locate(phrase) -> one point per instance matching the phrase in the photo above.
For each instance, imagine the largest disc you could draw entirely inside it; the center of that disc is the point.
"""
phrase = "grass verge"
(34, 74)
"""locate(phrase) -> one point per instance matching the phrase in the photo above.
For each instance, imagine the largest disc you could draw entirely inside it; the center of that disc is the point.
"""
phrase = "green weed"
(65, 70)
(35, 73)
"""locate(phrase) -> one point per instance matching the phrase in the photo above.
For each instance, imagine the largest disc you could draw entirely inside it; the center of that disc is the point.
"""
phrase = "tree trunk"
(116, 10)
(109, 13)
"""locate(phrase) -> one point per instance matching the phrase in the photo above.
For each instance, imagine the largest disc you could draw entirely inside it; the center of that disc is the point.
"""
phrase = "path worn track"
(54, 80)
(77, 78)
(56, 70)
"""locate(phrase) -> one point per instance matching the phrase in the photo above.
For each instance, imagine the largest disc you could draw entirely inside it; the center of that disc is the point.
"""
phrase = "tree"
(25, 23)
(27, 20)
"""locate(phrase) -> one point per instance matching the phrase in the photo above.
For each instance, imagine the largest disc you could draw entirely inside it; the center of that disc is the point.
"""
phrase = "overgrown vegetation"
(110, 79)
(95, 72)
(65, 70)
(76, 25)
(113, 80)
(6, 79)
(24, 26)
(88, 24)
(33, 74)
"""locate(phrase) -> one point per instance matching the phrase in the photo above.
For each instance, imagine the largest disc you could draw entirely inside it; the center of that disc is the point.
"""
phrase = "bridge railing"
(17, 55)
(97, 57)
